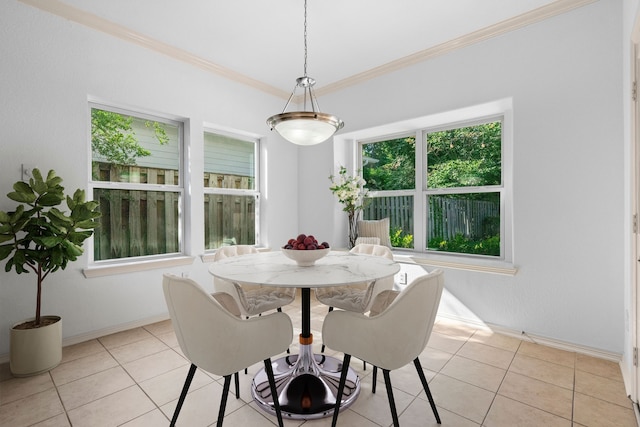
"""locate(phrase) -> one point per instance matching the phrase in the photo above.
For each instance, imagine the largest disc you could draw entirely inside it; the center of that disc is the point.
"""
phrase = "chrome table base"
(307, 385)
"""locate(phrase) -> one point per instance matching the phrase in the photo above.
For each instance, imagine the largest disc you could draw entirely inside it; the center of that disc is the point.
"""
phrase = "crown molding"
(545, 12)
(97, 23)
(57, 7)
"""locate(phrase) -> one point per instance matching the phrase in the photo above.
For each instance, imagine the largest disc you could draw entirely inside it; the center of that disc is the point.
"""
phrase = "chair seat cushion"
(265, 298)
(350, 298)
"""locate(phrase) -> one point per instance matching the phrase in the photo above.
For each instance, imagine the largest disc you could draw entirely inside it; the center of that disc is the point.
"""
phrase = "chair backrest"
(381, 284)
(221, 285)
(409, 319)
(235, 250)
(369, 249)
(214, 339)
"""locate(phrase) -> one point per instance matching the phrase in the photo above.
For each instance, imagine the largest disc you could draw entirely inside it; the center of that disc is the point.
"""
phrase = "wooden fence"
(447, 218)
(140, 222)
(473, 219)
(399, 210)
(229, 219)
(136, 223)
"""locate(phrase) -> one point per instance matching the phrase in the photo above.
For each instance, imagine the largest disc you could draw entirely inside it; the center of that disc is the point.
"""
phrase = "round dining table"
(307, 383)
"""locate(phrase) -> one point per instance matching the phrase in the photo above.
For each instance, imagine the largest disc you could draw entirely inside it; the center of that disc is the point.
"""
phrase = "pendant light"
(305, 127)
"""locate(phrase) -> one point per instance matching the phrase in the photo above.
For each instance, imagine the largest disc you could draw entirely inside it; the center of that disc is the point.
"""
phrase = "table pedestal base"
(307, 385)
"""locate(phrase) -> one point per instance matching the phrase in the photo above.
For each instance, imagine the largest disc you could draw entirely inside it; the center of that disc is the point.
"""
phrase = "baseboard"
(77, 339)
(539, 339)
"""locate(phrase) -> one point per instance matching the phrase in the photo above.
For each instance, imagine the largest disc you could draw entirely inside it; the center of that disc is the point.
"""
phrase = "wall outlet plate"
(402, 278)
(27, 171)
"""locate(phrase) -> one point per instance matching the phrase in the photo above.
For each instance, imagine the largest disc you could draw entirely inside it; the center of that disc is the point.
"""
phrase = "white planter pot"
(33, 351)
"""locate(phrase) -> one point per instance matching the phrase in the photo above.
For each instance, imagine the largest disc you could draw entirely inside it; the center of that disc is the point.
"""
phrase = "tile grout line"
(495, 395)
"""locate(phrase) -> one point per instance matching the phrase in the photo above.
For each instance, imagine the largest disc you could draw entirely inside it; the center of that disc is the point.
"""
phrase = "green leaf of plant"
(87, 224)
(5, 237)
(50, 199)
(37, 175)
(39, 186)
(21, 197)
(5, 251)
(72, 249)
(50, 241)
(22, 187)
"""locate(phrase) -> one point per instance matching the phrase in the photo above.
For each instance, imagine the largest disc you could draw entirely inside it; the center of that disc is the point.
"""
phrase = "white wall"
(564, 76)
(48, 69)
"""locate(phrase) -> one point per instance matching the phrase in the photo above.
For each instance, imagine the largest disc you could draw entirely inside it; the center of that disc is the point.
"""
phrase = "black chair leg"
(375, 379)
(223, 401)
(237, 380)
(343, 380)
(185, 389)
(392, 402)
(425, 385)
(322, 349)
(274, 391)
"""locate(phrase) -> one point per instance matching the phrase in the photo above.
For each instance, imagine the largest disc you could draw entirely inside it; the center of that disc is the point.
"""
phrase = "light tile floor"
(478, 378)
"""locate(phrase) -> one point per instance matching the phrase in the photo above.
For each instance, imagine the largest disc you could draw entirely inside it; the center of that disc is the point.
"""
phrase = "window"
(136, 176)
(231, 190)
(388, 167)
(451, 183)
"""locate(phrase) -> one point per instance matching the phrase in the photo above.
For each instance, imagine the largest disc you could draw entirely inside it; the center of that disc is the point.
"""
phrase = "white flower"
(349, 190)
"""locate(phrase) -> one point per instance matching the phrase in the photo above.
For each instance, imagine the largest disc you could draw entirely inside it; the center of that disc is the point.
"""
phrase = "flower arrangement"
(351, 193)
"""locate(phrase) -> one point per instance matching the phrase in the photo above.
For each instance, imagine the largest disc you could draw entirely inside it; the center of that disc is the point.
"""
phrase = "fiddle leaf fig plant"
(37, 236)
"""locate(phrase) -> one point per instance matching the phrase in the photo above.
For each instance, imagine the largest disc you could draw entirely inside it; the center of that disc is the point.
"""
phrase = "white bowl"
(305, 258)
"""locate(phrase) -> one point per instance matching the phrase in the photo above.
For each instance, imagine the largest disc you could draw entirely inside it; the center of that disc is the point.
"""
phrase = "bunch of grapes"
(304, 242)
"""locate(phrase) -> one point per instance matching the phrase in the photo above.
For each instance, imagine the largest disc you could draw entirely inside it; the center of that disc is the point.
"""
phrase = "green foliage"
(394, 166)
(113, 137)
(38, 236)
(462, 244)
(464, 157)
(400, 239)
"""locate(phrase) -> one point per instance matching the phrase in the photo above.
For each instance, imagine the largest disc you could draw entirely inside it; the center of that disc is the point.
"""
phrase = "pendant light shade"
(305, 127)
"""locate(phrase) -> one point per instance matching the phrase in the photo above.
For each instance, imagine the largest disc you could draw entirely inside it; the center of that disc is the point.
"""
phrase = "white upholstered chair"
(358, 297)
(218, 341)
(252, 300)
(391, 339)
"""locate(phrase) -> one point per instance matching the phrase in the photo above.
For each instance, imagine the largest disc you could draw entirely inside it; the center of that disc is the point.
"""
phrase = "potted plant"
(40, 238)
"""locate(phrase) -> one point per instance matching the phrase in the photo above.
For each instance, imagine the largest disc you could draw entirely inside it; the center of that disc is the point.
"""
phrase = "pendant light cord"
(305, 38)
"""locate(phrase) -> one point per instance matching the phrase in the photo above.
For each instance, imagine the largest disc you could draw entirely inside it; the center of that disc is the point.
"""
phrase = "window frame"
(175, 258)
(255, 192)
(498, 110)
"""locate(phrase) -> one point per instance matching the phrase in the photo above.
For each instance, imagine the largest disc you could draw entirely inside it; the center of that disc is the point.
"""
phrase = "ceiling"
(261, 43)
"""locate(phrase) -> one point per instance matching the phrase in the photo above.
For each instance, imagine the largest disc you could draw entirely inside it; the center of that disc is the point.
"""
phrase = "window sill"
(484, 266)
(132, 267)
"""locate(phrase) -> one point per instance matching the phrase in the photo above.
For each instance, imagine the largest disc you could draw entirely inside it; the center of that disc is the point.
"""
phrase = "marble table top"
(275, 269)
